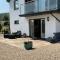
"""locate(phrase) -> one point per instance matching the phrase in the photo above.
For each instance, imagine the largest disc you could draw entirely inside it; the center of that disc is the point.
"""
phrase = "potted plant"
(28, 45)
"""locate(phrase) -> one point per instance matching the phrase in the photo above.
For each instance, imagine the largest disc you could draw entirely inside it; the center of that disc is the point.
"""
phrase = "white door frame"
(42, 34)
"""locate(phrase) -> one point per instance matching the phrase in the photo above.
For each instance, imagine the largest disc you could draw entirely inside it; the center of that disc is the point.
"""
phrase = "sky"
(4, 6)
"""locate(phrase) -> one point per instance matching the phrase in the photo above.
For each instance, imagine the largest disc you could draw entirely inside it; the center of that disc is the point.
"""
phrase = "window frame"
(16, 22)
(29, 1)
(15, 7)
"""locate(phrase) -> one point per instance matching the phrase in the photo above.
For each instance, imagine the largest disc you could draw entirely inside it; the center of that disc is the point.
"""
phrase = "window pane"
(16, 4)
(52, 4)
(27, 0)
(43, 26)
(16, 22)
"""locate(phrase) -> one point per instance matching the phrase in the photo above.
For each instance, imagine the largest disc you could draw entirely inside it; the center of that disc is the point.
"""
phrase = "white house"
(36, 18)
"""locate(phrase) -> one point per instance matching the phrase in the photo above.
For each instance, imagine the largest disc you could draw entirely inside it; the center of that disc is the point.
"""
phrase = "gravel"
(8, 52)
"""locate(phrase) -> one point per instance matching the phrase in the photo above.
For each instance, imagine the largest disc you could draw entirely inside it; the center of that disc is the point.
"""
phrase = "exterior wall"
(23, 25)
(50, 26)
(57, 22)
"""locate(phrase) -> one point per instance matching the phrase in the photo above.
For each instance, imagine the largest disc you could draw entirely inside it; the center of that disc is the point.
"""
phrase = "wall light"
(47, 18)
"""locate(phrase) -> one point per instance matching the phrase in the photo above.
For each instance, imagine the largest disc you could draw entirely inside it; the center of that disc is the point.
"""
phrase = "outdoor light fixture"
(47, 18)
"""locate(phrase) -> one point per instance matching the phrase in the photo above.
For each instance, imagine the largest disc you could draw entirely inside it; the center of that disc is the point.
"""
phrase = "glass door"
(31, 28)
(42, 28)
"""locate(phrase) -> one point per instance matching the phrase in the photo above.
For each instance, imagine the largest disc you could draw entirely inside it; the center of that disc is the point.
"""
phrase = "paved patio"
(13, 49)
(19, 42)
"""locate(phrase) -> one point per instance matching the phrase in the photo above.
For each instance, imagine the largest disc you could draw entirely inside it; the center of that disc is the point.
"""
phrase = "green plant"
(6, 31)
(6, 23)
(6, 18)
(0, 27)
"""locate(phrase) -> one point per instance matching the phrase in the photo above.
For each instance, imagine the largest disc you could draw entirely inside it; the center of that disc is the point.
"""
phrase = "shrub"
(6, 23)
(0, 27)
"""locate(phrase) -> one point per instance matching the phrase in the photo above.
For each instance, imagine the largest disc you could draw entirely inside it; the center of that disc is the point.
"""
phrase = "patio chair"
(17, 34)
(9, 35)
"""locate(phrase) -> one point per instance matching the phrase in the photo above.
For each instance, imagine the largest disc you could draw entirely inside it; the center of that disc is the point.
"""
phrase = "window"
(27, 0)
(16, 4)
(52, 4)
(16, 22)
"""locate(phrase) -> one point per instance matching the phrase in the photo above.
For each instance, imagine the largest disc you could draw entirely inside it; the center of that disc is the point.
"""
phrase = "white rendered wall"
(23, 25)
(57, 22)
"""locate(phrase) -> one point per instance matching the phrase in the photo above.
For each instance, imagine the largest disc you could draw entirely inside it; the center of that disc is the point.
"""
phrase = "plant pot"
(28, 45)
